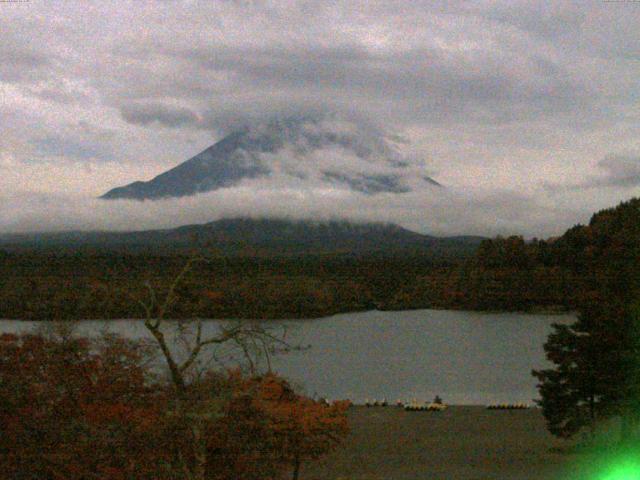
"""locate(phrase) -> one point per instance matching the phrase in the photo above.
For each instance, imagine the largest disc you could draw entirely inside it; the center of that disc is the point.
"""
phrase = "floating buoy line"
(415, 406)
(508, 406)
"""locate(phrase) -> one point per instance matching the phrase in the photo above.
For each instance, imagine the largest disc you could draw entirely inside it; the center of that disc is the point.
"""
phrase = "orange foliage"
(268, 428)
(71, 413)
(74, 410)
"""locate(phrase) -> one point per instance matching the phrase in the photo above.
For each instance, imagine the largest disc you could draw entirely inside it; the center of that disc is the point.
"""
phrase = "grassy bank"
(461, 443)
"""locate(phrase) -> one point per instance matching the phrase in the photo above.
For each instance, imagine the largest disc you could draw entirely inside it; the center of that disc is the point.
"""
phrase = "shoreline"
(542, 312)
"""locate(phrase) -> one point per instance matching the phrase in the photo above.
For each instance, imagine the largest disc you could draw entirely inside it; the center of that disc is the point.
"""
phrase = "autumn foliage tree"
(70, 409)
(77, 409)
(287, 428)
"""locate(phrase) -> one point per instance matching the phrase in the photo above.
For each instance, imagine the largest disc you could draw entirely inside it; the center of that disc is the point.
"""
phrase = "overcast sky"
(527, 112)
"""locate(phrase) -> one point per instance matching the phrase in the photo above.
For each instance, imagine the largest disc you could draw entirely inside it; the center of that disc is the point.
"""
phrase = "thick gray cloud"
(60, 146)
(20, 64)
(21, 59)
(165, 115)
(619, 171)
(424, 85)
(496, 99)
(614, 172)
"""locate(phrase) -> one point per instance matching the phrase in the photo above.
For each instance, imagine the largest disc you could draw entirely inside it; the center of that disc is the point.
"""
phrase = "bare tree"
(251, 340)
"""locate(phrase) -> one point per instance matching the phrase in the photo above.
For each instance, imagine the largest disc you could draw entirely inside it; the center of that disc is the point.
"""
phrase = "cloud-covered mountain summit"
(310, 151)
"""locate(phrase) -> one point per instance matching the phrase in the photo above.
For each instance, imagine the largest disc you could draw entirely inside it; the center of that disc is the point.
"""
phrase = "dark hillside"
(255, 237)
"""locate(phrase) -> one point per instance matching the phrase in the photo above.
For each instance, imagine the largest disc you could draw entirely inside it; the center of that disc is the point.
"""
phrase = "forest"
(503, 274)
(77, 408)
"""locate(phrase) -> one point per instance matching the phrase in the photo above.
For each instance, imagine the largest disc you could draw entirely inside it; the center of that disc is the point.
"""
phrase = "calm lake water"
(465, 357)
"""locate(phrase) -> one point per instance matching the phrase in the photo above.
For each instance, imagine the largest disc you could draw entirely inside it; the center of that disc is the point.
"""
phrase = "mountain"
(258, 237)
(310, 151)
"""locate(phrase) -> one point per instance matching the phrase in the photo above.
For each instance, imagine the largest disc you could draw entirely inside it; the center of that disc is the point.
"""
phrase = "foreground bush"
(69, 409)
(77, 409)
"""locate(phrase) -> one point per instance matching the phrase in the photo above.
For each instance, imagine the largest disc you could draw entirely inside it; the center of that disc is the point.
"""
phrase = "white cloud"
(494, 97)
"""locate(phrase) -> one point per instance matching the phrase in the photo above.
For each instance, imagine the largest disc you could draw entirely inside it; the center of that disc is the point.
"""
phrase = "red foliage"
(67, 411)
(75, 410)
(268, 428)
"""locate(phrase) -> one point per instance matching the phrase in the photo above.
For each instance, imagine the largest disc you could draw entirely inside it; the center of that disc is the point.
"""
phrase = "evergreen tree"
(569, 392)
(628, 405)
(596, 370)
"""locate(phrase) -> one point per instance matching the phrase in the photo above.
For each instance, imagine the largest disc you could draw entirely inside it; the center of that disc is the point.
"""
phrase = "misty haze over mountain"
(314, 149)
(312, 165)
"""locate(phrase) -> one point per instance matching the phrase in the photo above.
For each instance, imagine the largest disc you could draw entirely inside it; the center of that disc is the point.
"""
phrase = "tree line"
(504, 274)
(596, 360)
(45, 285)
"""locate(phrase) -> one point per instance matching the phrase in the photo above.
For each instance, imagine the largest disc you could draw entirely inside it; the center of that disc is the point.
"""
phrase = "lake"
(464, 357)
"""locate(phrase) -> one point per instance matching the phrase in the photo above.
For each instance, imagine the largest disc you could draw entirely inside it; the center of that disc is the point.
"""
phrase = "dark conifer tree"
(570, 396)
(596, 371)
